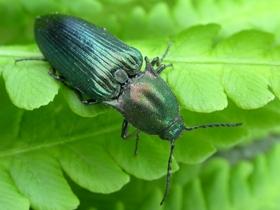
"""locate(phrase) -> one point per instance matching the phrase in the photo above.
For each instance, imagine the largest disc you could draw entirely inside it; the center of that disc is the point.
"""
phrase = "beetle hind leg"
(80, 95)
(53, 74)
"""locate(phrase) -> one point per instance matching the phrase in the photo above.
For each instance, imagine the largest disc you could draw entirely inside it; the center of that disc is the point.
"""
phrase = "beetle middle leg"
(125, 135)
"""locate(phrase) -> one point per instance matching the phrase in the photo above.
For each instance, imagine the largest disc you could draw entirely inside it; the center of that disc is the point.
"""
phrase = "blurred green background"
(134, 19)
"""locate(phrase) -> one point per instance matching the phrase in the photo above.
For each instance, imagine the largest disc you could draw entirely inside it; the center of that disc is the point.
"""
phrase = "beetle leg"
(155, 61)
(158, 61)
(162, 67)
(125, 135)
(54, 75)
(79, 94)
(149, 66)
(169, 171)
(124, 132)
(81, 97)
(136, 142)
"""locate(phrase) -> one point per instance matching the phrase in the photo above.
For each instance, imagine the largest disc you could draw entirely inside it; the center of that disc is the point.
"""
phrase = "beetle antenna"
(169, 171)
(213, 125)
(166, 51)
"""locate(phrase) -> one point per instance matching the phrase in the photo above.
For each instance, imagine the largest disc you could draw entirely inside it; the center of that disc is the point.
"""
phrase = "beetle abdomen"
(85, 55)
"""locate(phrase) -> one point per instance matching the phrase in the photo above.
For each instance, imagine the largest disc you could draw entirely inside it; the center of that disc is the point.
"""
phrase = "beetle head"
(174, 130)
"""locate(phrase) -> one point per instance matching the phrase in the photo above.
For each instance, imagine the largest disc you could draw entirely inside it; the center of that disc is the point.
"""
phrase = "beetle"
(102, 69)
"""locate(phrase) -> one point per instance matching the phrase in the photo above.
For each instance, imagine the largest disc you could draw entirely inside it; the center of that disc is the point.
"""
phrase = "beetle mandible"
(102, 69)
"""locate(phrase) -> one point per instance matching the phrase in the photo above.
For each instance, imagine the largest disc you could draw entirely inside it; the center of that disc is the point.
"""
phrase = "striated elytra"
(87, 57)
(102, 69)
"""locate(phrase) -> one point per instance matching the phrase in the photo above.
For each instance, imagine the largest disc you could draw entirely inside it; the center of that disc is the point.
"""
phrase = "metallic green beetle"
(101, 68)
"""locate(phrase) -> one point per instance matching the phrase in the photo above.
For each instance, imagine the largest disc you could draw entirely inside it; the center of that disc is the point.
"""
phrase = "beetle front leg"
(162, 67)
(156, 61)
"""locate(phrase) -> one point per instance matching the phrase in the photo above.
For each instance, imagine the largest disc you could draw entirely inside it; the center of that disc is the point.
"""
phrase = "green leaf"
(195, 200)
(175, 199)
(233, 15)
(151, 201)
(242, 67)
(239, 187)
(151, 18)
(187, 150)
(89, 165)
(77, 107)
(205, 71)
(29, 85)
(211, 69)
(38, 177)
(248, 84)
(10, 198)
(159, 14)
(248, 182)
(215, 180)
(149, 164)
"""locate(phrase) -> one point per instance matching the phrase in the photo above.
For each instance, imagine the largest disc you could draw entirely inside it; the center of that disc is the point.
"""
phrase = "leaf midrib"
(59, 141)
(221, 61)
(186, 60)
